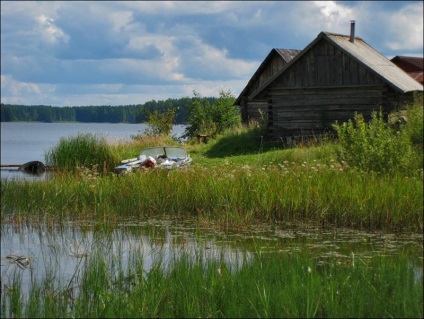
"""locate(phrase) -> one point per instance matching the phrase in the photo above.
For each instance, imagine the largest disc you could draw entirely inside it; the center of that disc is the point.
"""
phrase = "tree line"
(135, 113)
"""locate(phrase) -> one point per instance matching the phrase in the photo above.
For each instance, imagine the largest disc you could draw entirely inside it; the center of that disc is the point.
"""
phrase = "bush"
(374, 146)
(414, 115)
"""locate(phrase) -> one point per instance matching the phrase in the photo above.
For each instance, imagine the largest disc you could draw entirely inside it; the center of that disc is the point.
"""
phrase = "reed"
(282, 285)
(229, 195)
(83, 150)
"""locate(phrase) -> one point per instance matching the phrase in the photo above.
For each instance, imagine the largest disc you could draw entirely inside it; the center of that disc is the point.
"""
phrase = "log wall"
(312, 111)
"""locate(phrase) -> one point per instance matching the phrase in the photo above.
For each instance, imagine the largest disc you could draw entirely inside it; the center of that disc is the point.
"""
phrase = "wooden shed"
(274, 62)
(331, 79)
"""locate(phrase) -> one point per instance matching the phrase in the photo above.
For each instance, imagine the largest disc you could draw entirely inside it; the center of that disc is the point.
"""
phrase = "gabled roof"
(286, 54)
(362, 53)
(417, 76)
(414, 66)
(415, 62)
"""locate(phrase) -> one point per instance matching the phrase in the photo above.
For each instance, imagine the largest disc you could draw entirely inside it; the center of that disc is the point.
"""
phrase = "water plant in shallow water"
(83, 150)
(188, 285)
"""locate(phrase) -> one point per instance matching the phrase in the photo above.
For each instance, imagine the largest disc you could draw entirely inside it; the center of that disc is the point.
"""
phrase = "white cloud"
(21, 92)
(49, 31)
(410, 35)
(337, 16)
(124, 52)
(183, 8)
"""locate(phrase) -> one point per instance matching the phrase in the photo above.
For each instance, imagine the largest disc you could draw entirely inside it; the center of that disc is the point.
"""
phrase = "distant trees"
(111, 114)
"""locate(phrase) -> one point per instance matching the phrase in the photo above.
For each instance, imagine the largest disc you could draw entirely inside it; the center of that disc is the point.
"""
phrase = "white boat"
(156, 157)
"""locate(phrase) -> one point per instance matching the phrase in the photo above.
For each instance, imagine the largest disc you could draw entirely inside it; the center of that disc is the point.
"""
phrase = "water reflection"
(14, 174)
(60, 250)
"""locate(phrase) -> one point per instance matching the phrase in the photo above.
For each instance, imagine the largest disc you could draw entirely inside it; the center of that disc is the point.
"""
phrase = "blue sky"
(118, 53)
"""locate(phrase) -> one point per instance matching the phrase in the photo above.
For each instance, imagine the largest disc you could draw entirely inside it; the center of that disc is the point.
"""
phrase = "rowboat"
(167, 157)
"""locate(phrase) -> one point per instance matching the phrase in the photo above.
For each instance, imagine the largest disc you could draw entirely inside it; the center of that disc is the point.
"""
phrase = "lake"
(22, 142)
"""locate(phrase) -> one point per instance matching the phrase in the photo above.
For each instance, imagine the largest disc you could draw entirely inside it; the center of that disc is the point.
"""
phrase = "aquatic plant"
(83, 150)
(189, 285)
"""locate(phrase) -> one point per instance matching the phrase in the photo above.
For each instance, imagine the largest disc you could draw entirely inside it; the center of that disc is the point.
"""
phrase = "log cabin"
(330, 80)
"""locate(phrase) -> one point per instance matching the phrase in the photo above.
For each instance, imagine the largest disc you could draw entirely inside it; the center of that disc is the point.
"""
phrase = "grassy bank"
(239, 178)
(278, 285)
(229, 194)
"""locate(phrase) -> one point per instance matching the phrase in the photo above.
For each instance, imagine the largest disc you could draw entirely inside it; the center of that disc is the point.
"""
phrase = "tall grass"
(83, 150)
(277, 285)
(231, 195)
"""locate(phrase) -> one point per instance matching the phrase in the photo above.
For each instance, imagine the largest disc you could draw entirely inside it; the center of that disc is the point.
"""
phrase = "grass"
(237, 178)
(282, 285)
(229, 195)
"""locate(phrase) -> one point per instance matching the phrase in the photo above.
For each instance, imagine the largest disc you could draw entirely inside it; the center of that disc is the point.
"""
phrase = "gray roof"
(364, 54)
(286, 54)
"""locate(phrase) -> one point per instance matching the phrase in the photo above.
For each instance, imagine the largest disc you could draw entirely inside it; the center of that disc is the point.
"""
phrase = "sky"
(79, 53)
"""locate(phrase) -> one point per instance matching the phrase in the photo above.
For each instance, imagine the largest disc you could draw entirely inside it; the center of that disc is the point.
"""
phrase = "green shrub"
(374, 146)
(414, 115)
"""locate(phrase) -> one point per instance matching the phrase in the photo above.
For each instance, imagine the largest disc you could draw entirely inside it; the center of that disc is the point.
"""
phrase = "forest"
(135, 113)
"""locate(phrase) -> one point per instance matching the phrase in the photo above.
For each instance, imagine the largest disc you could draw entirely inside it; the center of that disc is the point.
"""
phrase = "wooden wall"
(312, 111)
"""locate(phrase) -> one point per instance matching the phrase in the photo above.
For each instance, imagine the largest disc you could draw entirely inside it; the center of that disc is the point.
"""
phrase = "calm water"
(62, 249)
(28, 141)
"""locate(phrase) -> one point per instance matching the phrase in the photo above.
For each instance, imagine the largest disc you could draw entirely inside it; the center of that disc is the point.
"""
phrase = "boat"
(33, 167)
(167, 157)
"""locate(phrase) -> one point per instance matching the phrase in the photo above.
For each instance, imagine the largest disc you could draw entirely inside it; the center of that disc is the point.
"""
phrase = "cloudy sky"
(118, 53)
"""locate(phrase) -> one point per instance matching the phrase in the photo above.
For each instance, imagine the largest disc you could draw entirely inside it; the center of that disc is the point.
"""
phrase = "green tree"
(214, 119)
(225, 114)
(160, 122)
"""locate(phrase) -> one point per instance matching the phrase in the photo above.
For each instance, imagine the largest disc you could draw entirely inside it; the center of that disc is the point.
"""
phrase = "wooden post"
(202, 137)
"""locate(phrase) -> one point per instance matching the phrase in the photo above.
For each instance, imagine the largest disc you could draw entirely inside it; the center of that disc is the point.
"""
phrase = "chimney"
(352, 31)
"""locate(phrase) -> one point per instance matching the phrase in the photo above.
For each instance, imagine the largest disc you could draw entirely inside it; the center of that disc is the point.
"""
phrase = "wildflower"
(309, 269)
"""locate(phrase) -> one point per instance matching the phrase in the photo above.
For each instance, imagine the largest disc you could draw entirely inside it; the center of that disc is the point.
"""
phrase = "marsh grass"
(83, 150)
(192, 285)
(227, 195)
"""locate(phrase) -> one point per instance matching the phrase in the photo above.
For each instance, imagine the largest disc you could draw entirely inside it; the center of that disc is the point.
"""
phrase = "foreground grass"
(278, 285)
